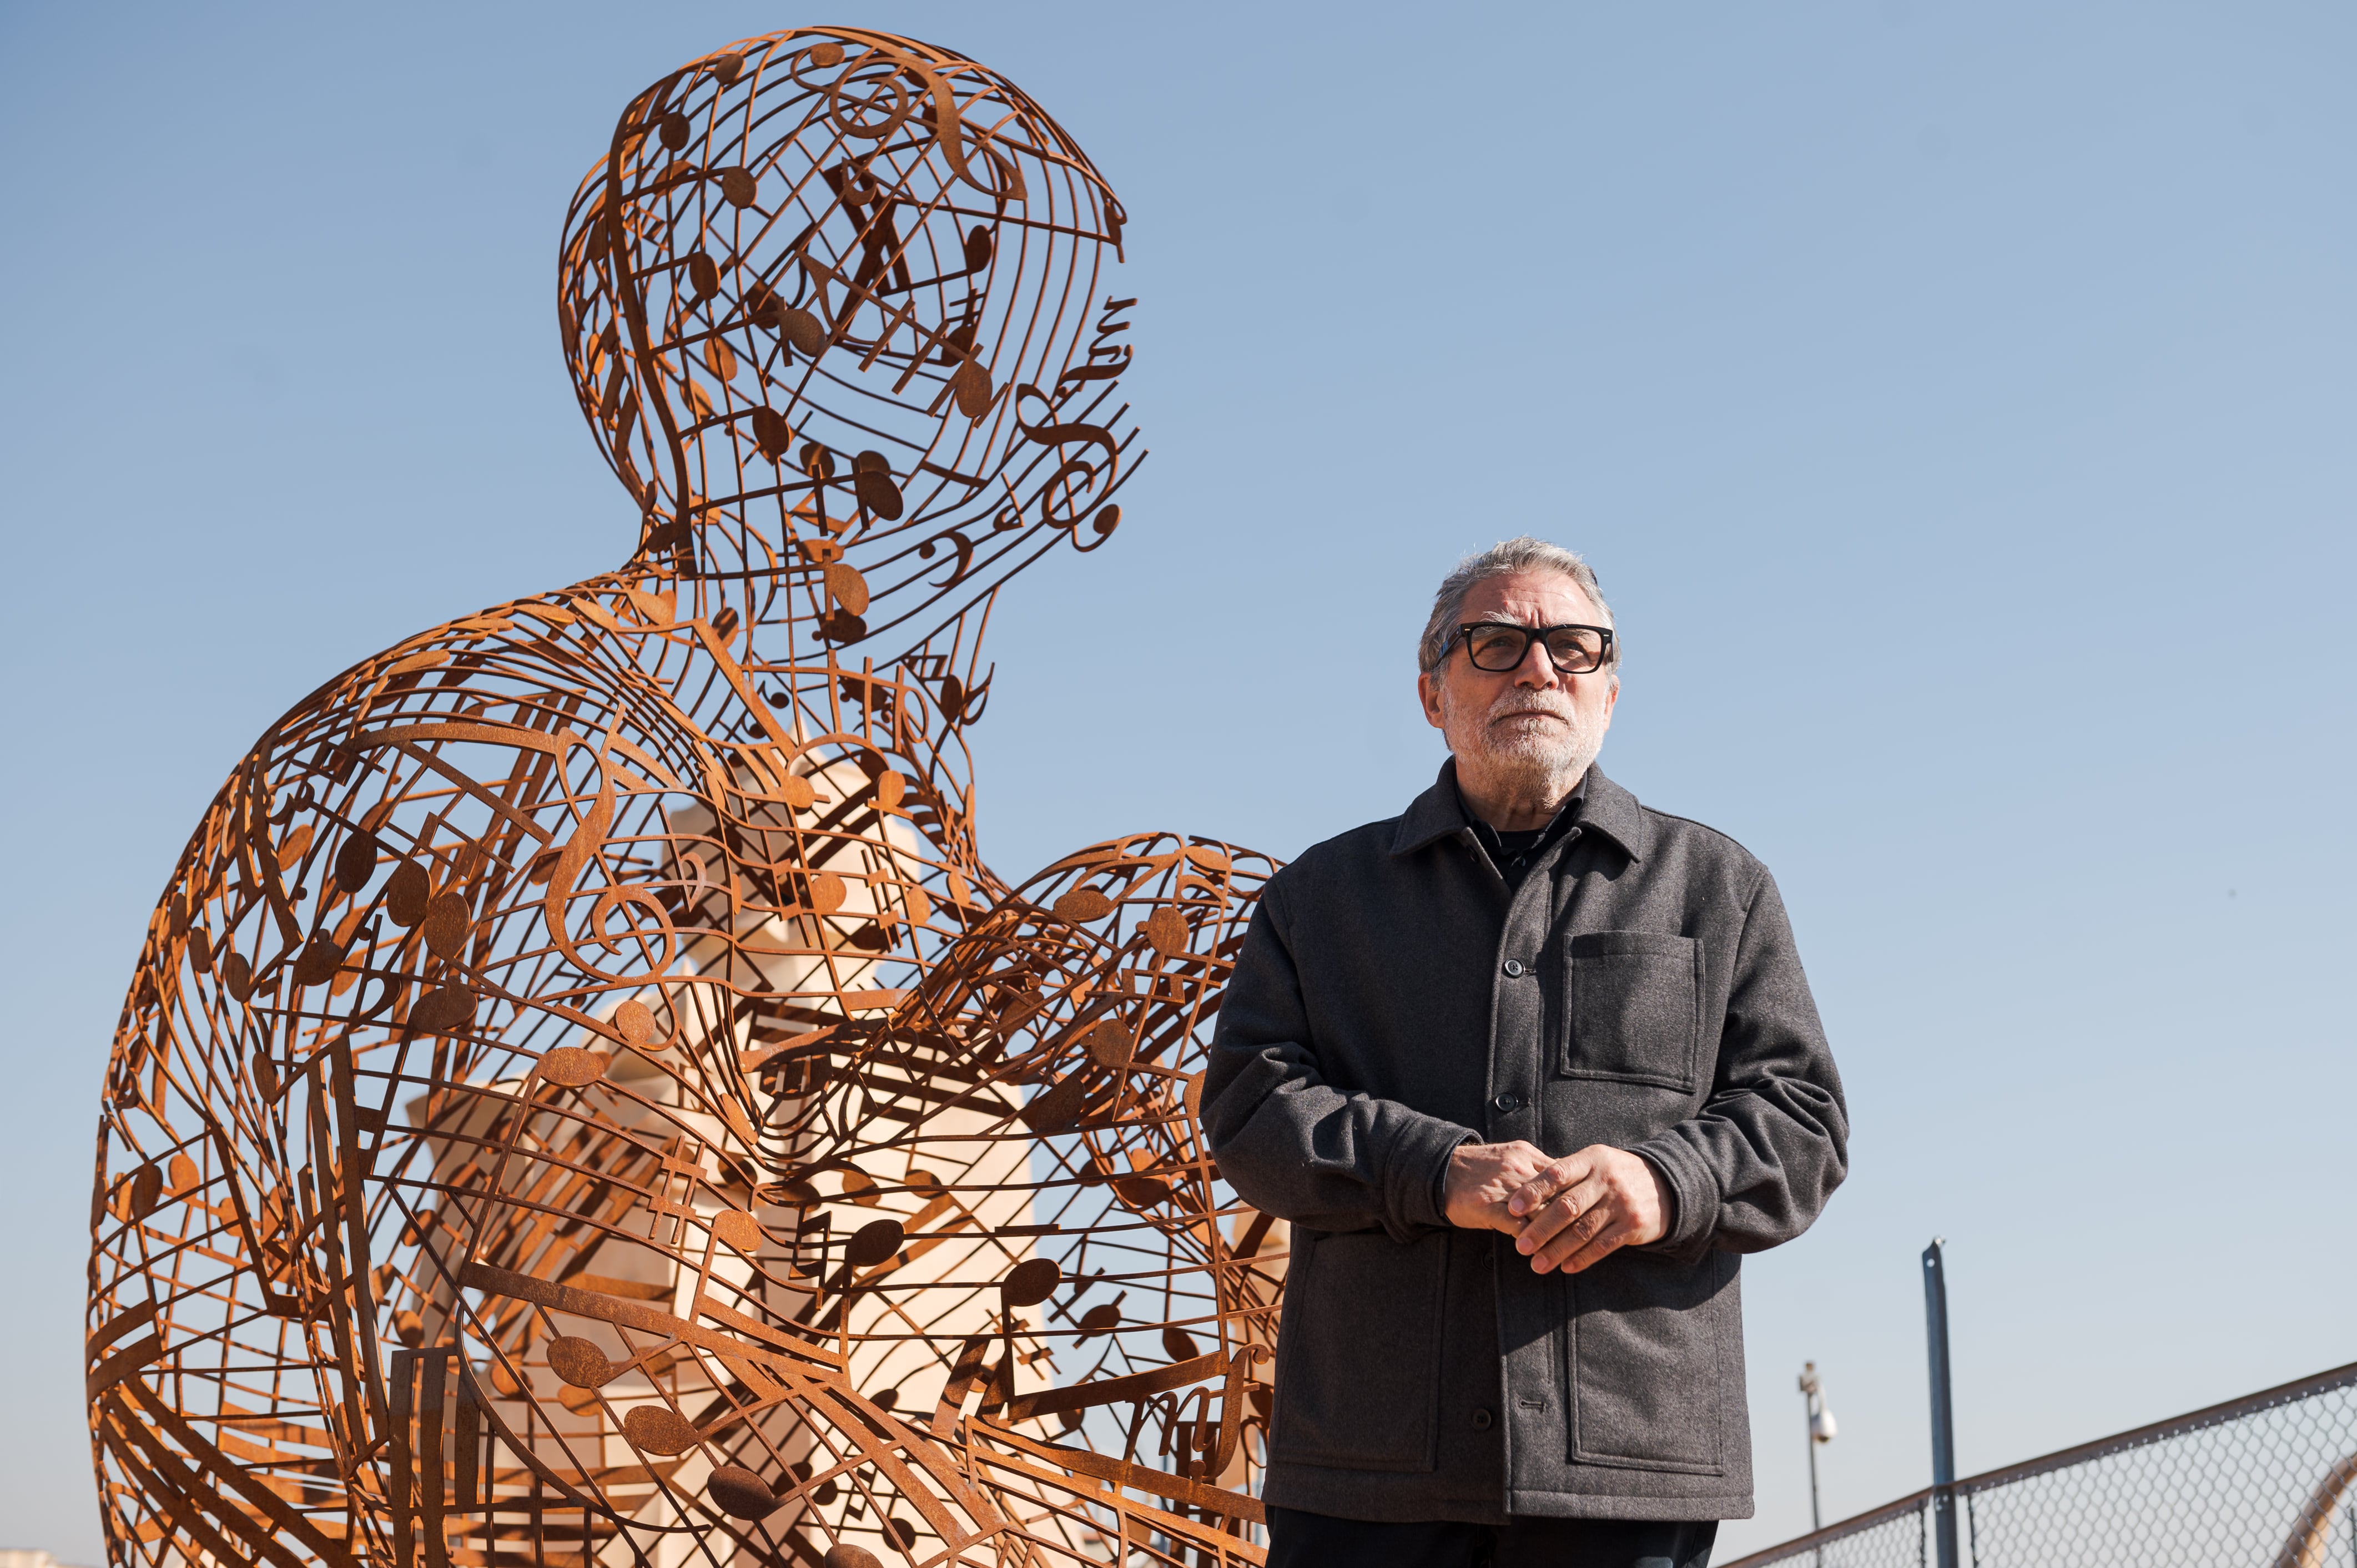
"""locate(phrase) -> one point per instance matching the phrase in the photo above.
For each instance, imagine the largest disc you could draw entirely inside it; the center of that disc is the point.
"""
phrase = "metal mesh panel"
(1892, 1540)
(2263, 1480)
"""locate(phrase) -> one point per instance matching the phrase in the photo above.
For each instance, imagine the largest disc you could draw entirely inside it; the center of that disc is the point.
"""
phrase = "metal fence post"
(1943, 1430)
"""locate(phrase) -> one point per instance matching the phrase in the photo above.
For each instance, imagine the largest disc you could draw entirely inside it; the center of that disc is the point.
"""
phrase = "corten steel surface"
(584, 1098)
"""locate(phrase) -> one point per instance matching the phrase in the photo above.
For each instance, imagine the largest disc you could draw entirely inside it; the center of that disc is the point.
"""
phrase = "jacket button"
(1483, 1420)
(1513, 969)
(1508, 1104)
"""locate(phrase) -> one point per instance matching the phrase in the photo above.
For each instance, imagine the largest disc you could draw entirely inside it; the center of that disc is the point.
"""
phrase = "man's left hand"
(1588, 1204)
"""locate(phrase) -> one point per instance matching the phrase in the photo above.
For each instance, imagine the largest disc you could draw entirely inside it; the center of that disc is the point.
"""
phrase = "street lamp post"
(1822, 1429)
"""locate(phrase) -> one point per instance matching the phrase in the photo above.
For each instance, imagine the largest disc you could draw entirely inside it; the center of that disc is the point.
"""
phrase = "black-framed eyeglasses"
(1500, 646)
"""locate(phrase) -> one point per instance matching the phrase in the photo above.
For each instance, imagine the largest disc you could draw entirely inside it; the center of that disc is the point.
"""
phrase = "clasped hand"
(1562, 1213)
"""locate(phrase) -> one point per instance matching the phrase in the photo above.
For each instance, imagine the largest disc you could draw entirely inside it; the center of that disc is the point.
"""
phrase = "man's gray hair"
(1522, 554)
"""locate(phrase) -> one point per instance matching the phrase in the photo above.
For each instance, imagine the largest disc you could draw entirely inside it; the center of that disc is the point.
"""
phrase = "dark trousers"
(1298, 1540)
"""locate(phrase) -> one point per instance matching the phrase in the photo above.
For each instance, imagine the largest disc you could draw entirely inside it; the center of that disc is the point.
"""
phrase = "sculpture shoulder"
(464, 700)
(582, 638)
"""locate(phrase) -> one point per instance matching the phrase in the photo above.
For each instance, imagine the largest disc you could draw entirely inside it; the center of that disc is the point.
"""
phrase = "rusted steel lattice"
(584, 1098)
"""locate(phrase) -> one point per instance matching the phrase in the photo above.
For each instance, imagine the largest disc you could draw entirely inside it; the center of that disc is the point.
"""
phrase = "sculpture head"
(836, 308)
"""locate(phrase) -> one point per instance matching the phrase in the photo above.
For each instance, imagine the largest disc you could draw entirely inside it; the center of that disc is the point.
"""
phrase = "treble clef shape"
(1069, 491)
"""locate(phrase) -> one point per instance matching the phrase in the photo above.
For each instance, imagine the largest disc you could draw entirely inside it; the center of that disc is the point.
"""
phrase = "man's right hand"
(1483, 1176)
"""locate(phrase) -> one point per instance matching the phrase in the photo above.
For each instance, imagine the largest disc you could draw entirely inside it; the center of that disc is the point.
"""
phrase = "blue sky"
(1957, 402)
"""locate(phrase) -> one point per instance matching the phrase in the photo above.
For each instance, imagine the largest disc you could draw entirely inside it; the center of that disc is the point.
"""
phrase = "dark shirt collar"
(1553, 828)
(1604, 808)
(1514, 853)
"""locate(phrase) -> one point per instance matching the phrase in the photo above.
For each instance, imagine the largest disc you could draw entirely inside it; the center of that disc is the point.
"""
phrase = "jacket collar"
(1614, 813)
(1607, 809)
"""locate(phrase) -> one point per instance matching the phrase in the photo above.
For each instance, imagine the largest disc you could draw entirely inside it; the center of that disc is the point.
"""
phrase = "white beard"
(1530, 758)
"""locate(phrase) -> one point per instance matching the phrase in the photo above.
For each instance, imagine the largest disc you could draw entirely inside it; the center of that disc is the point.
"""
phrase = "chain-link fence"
(2264, 1481)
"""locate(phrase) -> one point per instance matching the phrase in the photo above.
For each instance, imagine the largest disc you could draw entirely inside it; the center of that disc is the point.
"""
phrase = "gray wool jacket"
(1396, 998)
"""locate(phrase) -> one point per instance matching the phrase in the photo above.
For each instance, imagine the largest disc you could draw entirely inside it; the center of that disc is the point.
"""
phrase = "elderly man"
(1528, 1067)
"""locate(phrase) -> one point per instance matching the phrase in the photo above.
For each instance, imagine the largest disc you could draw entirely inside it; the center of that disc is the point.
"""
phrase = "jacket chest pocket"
(1632, 1004)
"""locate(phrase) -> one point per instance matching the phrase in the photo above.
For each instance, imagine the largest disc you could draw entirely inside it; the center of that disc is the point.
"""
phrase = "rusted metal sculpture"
(584, 1098)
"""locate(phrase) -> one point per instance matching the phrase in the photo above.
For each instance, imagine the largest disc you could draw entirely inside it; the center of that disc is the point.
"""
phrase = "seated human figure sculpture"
(584, 1098)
